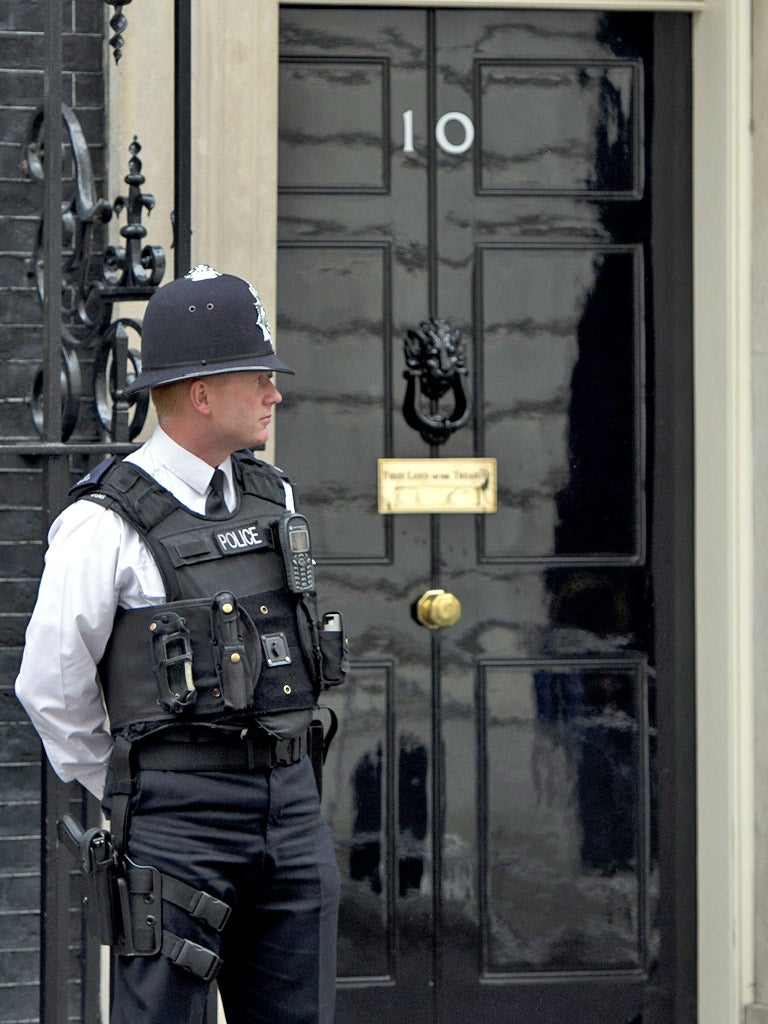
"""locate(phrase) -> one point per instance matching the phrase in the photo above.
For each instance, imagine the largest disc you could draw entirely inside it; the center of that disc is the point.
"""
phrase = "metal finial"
(117, 23)
(133, 267)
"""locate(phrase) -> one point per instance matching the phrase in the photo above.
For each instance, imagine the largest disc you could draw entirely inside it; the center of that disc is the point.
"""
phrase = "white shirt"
(95, 562)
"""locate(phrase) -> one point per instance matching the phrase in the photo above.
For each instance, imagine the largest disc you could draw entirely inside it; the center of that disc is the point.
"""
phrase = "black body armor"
(232, 641)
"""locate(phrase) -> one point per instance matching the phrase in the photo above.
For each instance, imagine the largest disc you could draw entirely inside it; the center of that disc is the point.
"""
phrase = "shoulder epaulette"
(129, 491)
(260, 478)
(93, 478)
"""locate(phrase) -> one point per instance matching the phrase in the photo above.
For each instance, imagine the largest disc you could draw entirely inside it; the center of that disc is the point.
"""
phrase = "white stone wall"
(759, 330)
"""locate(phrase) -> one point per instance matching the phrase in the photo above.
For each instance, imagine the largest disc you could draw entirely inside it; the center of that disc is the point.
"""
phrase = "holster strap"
(198, 960)
(246, 751)
(196, 902)
(122, 774)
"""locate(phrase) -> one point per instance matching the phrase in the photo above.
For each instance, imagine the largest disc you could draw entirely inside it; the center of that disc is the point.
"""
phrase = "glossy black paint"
(507, 794)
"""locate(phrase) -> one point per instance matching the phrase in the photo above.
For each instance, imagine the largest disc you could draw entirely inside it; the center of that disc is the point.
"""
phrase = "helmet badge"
(261, 314)
(202, 272)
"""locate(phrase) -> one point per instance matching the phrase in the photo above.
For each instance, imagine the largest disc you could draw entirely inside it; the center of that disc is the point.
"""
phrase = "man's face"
(241, 408)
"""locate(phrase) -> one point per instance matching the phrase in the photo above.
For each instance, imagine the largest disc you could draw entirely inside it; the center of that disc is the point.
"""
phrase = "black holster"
(95, 854)
(123, 902)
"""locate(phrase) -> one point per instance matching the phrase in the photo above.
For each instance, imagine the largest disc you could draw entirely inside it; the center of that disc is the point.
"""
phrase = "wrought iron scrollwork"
(93, 281)
(84, 315)
(71, 390)
(118, 365)
(435, 357)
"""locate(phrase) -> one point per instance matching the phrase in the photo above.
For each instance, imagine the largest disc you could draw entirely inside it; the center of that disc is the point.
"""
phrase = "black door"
(511, 794)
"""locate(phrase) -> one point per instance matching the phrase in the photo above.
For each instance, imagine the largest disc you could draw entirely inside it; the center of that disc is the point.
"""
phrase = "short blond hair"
(168, 398)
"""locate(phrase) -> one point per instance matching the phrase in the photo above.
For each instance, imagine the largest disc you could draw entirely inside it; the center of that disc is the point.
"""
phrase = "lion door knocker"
(435, 358)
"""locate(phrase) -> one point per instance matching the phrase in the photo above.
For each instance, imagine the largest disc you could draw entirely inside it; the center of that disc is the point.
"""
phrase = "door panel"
(498, 787)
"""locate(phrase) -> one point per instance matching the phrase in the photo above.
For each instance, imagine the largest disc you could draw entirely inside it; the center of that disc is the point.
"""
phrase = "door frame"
(723, 380)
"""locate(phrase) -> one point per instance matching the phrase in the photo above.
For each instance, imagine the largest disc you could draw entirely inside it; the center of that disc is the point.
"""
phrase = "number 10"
(440, 136)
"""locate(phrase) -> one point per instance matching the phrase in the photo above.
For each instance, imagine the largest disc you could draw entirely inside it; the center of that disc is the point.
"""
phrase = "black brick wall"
(21, 526)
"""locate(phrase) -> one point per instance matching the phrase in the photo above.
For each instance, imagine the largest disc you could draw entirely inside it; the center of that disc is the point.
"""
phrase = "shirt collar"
(191, 470)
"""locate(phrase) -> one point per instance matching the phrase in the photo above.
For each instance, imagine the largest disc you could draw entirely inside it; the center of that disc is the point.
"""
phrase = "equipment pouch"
(334, 649)
(237, 676)
(172, 661)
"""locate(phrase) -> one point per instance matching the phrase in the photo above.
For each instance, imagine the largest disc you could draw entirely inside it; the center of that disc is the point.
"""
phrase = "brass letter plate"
(437, 485)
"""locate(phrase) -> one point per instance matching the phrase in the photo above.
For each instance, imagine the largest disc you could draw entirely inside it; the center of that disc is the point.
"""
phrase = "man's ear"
(199, 396)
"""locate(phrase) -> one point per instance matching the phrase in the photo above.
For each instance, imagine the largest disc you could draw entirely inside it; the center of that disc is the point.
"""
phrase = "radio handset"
(293, 535)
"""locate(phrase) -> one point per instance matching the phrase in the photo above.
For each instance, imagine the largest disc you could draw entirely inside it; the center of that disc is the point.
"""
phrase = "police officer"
(178, 592)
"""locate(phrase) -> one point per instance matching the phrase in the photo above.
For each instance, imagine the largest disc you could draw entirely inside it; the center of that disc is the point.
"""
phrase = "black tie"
(214, 503)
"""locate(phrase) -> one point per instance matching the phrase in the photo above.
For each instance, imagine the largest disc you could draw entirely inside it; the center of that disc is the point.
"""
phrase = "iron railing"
(54, 455)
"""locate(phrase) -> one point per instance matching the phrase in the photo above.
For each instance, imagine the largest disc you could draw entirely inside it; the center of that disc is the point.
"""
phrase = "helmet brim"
(171, 374)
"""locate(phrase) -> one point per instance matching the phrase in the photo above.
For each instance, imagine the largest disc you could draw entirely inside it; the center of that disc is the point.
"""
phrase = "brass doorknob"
(436, 609)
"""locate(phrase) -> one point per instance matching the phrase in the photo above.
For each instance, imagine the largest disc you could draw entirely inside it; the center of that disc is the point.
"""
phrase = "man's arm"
(66, 636)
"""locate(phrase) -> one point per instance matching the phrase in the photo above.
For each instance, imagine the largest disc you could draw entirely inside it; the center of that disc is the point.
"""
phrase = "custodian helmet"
(202, 324)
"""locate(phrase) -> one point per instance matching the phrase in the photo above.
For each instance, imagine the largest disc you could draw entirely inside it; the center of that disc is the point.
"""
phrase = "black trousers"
(257, 841)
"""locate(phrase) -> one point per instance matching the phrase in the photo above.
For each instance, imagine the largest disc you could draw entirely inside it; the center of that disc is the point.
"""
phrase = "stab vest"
(231, 639)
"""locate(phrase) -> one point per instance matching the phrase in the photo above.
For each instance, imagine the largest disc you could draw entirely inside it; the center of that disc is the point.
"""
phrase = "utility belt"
(244, 751)
(219, 747)
(123, 900)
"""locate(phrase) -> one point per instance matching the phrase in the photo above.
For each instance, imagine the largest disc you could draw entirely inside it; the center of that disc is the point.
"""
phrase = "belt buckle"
(211, 911)
(196, 959)
(284, 752)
